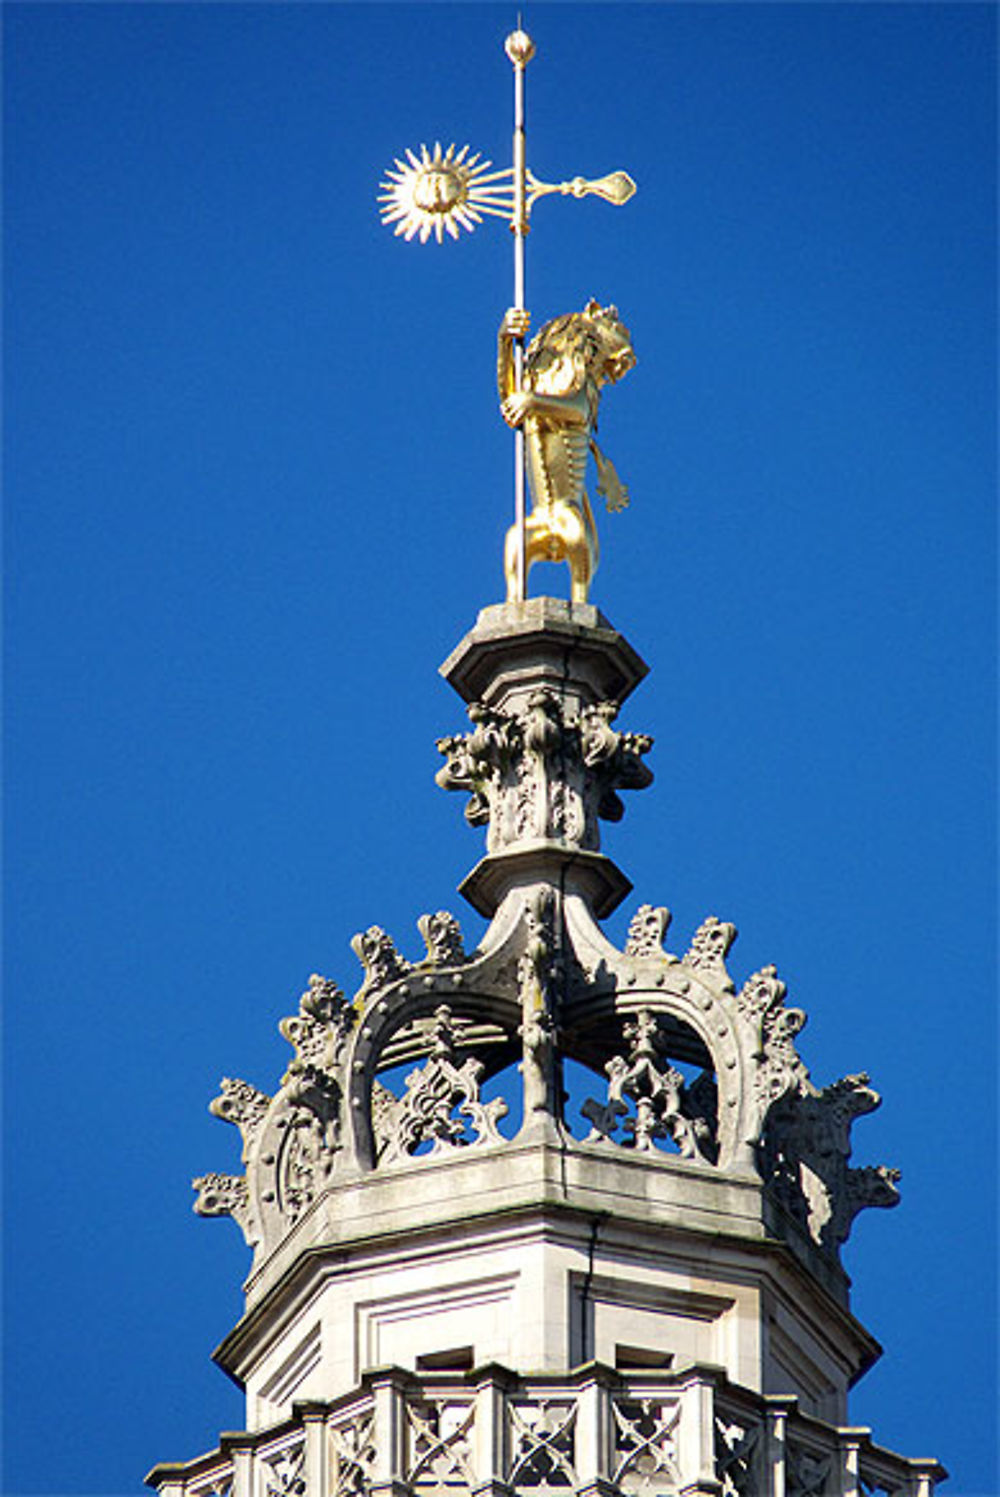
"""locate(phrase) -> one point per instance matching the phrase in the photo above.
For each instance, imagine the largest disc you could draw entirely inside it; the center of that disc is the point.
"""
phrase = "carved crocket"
(567, 364)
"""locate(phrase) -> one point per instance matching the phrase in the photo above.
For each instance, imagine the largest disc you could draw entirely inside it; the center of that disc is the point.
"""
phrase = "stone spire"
(460, 1283)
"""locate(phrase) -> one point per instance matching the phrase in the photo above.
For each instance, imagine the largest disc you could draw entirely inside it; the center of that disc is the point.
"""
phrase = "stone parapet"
(593, 1430)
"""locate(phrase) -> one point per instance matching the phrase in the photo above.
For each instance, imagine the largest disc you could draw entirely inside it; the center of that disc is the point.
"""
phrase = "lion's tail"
(609, 485)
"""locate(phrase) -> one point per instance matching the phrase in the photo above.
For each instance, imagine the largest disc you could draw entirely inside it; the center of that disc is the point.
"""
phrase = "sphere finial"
(519, 48)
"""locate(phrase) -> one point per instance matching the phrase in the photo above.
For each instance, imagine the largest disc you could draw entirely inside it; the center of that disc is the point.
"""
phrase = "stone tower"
(465, 1283)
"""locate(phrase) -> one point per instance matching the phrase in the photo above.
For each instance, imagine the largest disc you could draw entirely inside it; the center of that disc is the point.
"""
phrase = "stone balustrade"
(594, 1431)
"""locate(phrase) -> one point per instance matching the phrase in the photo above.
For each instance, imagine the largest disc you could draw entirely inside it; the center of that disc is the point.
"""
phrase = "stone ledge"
(517, 647)
(595, 877)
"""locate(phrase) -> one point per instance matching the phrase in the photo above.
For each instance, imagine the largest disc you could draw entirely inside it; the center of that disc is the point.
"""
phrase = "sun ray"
(438, 192)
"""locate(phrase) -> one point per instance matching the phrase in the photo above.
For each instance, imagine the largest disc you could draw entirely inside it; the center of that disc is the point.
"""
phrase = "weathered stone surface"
(517, 648)
(402, 1211)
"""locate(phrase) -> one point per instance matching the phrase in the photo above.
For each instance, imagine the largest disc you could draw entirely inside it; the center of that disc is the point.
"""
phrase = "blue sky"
(256, 490)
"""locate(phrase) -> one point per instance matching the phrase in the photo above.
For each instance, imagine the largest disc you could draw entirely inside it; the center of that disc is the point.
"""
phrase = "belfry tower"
(546, 1216)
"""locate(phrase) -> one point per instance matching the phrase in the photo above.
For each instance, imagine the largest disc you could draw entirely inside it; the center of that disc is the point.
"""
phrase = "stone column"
(490, 1431)
(593, 1428)
(388, 1385)
(317, 1476)
(775, 1445)
(696, 1441)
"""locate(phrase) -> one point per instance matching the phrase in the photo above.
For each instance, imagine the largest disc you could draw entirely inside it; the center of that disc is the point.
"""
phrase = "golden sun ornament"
(435, 192)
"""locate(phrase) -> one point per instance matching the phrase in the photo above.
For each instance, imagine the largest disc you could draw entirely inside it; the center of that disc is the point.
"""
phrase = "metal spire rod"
(520, 49)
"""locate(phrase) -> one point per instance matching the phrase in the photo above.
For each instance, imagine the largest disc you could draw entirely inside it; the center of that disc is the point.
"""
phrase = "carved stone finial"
(646, 931)
(322, 1000)
(377, 953)
(760, 1002)
(709, 947)
(761, 993)
(317, 1033)
(443, 938)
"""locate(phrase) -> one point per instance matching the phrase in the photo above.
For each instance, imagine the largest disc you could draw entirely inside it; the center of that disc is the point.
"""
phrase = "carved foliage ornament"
(443, 938)
(709, 948)
(540, 774)
(760, 1003)
(540, 972)
(377, 953)
(798, 1135)
(646, 931)
(318, 1034)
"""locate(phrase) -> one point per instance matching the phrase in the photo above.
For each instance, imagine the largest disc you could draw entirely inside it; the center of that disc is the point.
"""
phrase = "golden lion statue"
(566, 366)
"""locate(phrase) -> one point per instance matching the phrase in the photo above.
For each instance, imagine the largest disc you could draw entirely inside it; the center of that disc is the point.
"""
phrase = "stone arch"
(416, 997)
(691, 1003)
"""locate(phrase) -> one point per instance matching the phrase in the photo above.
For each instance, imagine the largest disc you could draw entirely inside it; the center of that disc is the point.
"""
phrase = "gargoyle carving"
(568, 363)
(805, 1153)
(242, 1105)
(225, 1195)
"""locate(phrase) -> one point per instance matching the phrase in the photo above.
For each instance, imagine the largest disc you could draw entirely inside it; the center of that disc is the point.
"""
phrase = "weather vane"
(549, 394)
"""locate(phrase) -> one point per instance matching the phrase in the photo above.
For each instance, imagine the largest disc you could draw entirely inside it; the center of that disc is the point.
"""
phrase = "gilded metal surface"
(616, 187)
(433, 192)
(568, 363)
(519, 48)
(437, 191)
(550, 404)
